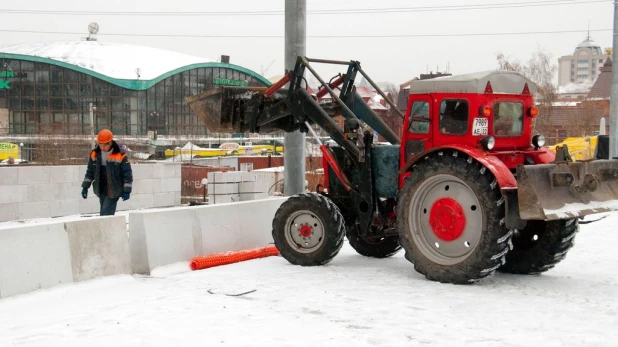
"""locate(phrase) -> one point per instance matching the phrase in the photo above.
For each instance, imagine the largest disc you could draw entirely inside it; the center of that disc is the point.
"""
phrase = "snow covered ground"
(353, 301)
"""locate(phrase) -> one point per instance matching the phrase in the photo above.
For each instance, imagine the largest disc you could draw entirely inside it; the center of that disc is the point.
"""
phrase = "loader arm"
(265, 110)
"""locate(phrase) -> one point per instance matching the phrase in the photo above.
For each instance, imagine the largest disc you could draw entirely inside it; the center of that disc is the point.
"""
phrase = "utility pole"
(92, 108)
(613, 100)
(294, 143)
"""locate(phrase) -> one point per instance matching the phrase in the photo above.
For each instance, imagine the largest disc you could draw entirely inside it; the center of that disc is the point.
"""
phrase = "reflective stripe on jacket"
(118, 172)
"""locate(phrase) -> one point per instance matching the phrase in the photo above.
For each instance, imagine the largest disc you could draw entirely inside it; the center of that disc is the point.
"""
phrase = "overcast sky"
(400, 54)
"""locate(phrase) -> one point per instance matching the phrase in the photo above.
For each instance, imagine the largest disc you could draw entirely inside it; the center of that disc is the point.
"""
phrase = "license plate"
(480, 126)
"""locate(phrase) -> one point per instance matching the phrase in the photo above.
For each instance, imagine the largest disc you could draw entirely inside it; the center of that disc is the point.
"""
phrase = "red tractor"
(468, 189)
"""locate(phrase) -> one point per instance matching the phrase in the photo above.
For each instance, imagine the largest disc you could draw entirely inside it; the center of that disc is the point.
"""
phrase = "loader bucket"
(567, 190)
(225, 109)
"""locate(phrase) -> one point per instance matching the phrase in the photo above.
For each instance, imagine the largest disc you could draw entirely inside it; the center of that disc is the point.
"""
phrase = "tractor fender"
(501, 172)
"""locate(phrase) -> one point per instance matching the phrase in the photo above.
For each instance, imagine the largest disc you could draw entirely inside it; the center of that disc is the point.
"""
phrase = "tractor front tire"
(450, 218)
(308, 229)
(540, 246)
(372, 246)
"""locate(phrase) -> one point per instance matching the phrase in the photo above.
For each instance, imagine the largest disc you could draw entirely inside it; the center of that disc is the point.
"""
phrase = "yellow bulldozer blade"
(567, 190)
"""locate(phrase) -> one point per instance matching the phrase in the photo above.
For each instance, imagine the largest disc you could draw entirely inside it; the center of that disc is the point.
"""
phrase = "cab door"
(416, 136)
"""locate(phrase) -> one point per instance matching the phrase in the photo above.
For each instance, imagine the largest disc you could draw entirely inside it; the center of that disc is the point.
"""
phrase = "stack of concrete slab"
(28, 192)
(234, 186)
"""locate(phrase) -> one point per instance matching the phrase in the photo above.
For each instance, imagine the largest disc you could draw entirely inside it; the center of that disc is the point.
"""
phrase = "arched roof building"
(47, 88)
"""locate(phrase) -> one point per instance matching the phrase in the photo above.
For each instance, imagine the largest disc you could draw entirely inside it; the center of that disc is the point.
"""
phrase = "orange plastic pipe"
(212, 260)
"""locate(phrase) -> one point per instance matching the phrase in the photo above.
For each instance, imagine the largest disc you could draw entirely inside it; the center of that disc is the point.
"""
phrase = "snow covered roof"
(505, 82)
(590, 44)
(122, 64)
(575, 88)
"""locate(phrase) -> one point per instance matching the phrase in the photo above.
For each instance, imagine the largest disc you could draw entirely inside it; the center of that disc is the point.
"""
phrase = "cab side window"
(454, 117)
(419, 118)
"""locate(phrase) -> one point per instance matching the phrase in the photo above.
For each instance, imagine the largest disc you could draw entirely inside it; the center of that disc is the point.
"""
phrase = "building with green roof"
(47, 88)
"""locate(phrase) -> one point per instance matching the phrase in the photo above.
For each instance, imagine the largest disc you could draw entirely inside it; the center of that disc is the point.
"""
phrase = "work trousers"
(108, 205)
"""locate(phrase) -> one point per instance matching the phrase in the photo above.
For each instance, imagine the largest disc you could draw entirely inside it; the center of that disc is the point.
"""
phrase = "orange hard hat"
(105, 136)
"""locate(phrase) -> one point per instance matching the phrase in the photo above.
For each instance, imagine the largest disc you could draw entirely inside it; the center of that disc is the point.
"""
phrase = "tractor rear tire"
(308, 229)
(540, 246)
(450, 218)
(375, 247)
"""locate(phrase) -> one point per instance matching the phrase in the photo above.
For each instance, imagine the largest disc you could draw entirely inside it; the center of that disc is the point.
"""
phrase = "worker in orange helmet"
(109, 172)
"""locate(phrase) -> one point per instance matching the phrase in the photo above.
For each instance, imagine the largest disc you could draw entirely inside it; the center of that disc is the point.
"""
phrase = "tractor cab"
(491, 110)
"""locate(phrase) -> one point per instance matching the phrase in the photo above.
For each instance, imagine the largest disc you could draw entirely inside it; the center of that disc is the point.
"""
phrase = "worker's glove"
(84, 193)
(125, 196)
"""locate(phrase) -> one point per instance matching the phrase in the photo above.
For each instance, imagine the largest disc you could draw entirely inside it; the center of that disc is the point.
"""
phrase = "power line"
(317, 12)
(317, 36)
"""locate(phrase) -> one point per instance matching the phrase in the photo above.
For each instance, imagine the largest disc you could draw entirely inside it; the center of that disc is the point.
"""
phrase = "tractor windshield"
(419, 118)
(508, 118)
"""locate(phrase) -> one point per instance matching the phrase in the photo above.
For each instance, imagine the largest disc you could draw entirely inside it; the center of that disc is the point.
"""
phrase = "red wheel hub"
(305, 231)
(447, 219)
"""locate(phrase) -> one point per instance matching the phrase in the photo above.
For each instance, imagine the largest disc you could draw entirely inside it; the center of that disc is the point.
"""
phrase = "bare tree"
(540, 69)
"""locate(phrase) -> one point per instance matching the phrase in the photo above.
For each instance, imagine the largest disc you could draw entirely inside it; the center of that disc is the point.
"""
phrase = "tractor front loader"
(466, 189)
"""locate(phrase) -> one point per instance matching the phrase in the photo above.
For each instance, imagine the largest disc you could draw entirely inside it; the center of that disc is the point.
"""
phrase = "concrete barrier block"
(123, 205)
(147, 186)
(35, 209)
(64, 208)
(142, 171)
(172, 170)
(223, 198)
(220, 228)
(256, 221)
(138, 201)
(170, 184)
(69, 173)
(33, 175)
(99, 247)
(82, 170)
(163, 199)
(71, 190)
(223, 188)
(12, 194)
(238, 226)
(177, 198)
(33, 257)
(158, 170)
(158, 238)
(252, 196)
(42, 192)
(8, 176)
(9, 212)
(90, 205)
(253, 187)
(246, 176)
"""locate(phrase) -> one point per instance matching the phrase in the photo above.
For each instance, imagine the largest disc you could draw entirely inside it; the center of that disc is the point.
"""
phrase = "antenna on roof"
(93, 29)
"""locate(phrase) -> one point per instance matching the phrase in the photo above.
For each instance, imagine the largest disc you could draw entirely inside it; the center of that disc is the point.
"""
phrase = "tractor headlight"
(488, 142)
(538, 141)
